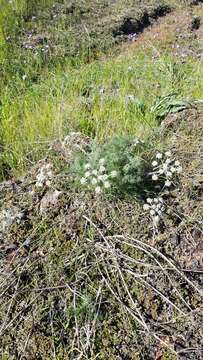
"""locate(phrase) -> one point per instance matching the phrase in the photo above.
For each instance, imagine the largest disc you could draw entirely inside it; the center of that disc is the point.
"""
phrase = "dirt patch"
(132, 25)
(87, 265)
(86, 22)
(175, 34)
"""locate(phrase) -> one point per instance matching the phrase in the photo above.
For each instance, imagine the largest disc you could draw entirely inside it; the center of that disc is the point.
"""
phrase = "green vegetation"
(93, 100)
(118, 167)
(100, 141)
(45, 94)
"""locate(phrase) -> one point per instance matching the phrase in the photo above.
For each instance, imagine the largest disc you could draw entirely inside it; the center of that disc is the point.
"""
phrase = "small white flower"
(165, 167)
(83, 181)
(155, 177)
(100, 178)
(107, 184)
(153, 206)
(168, 153)
(87, 166)
(154, 163)
(156, 200)
(87, 174)
(104, 177)
(101, 161)
(149, 200)
(161, 171)
(98, 190)
(113, 173)
(94, 172)
(146, 207)
(159, 156)
(173, 170)
(168, 161)
(102, 91)
(152, 212)
(24, 77)
(102, 169)
(177, 163)
(179, 169)
(168, 183)
(94, 181)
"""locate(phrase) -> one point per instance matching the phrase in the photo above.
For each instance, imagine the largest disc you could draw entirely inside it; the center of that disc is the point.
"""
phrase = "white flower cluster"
(155, 207)
(165, 166)
(44, 176)
(98, 178)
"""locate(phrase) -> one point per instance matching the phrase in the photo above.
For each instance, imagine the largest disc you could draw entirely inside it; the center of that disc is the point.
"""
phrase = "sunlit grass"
(93, 100)
(40, 103)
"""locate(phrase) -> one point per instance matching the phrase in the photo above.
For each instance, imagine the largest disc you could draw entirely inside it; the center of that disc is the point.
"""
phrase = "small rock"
(50, 199)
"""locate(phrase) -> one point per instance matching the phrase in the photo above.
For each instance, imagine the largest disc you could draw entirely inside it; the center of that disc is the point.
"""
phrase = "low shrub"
(117, 167)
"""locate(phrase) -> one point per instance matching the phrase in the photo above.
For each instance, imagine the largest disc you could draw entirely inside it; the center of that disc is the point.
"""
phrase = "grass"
(46, 95)
(74, 101)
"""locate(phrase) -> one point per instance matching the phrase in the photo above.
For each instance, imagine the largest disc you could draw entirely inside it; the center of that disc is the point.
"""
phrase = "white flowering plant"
(116, 167)
(98, 178)
(165, 168)
(155, 207)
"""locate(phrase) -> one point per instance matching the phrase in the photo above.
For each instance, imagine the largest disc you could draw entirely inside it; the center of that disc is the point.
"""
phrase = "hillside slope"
(101, 242)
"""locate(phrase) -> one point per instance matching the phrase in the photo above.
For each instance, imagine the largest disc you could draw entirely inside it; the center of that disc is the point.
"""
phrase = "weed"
(168, 104)
(165, 168)
(116, 167)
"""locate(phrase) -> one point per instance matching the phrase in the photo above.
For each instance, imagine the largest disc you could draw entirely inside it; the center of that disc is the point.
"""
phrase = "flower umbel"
(156, 207)
(165, 167)
(98, 177)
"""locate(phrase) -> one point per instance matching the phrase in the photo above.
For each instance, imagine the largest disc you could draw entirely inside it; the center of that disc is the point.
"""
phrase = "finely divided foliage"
(116, 167)
(102, 178)
(98, 178)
